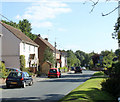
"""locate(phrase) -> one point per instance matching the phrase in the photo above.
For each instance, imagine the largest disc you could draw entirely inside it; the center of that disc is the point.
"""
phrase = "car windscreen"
(53, 71)
(77, 68)
(15, 74)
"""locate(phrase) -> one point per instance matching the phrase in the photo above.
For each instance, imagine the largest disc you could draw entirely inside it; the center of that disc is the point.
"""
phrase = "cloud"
(42, 24)
(62, 29)
(44, 11)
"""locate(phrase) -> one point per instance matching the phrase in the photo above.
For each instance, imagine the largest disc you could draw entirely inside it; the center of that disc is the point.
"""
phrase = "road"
(48, 90)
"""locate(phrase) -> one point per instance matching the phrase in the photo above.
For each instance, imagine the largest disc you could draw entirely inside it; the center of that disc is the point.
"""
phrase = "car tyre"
(30, 84)
(58, 76)
(8, 86)
(24, 85)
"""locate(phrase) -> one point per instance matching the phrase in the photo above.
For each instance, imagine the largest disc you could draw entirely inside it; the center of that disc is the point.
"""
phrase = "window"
(24, 46)
(29, 48)
(34, 48)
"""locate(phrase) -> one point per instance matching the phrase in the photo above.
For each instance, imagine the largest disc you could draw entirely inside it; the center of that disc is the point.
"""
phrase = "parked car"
(83, 68)
(72, 68)
(13, 69)
(20, 79)
(78, 69)
(54, 72)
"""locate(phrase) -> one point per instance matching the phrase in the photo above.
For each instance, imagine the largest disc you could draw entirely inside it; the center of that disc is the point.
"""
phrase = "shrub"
(22, 62)
(98, 73)
(112, 85)
(3, 71)
(64, 69)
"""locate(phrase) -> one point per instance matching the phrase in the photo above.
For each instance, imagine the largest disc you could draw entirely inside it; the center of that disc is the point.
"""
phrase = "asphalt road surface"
(48, 90)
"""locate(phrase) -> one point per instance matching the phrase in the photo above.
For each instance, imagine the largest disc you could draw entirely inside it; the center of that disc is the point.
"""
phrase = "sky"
(68, 22)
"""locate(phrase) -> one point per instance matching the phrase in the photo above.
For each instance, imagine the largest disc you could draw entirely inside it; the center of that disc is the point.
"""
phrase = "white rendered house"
(16, 43)
(1, 47)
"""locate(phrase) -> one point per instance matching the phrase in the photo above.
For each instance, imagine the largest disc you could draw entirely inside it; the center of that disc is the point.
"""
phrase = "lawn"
(90, 91)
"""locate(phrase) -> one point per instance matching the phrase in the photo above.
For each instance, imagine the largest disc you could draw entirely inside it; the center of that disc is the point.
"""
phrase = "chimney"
(46, 39)
(39, 35)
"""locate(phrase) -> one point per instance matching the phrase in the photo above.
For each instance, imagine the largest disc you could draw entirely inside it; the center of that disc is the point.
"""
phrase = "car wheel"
(8, 86)
(24, 85)
(58, 76)
(30, 83)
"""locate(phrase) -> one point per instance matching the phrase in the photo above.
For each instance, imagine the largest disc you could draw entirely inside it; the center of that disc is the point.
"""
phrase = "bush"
(64, 69)
(22, 62)
(100, 73)
(112, 85)
(3, 71)
(27, 70)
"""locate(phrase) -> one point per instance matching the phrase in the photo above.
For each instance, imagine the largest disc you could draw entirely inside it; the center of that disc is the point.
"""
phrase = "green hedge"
(3, 71)
(64, 69)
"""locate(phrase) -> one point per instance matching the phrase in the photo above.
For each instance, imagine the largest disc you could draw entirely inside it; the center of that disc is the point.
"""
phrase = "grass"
(100, 73)
(90, 91)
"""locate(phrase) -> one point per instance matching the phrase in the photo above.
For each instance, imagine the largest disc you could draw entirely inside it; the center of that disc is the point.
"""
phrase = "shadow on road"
(50, 98)
(70, 78)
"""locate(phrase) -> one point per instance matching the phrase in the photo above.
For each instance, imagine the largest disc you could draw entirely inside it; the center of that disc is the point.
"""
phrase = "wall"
(10, 48)
(41, 50)
(63, 61)
(0, 47)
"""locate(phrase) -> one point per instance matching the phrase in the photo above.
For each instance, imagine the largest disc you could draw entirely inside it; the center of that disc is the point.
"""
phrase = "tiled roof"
(48, 44)
(20, 35)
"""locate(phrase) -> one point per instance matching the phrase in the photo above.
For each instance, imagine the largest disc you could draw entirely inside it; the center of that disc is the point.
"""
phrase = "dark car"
(54, 72)
(13, 69)
(72, 68)
(78, 70)
(20, 79)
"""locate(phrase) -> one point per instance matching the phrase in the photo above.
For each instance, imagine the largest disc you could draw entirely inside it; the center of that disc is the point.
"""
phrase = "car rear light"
(22, 79)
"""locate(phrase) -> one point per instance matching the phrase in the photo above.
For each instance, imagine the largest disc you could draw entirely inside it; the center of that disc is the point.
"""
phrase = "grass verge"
(90, 91)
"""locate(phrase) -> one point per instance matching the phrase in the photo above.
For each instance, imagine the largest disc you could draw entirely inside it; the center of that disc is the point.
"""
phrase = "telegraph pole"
(119, 28)
(55, 55)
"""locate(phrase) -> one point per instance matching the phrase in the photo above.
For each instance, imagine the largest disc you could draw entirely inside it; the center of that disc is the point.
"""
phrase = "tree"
(72, 60)
(25, 26)
(94, 3)
(14, 24)
(108, 57)
(48, 56)
(3, 71)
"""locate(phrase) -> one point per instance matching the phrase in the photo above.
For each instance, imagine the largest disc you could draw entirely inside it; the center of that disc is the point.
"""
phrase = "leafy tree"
(72, 60)
(14, 24)
(48, 56)
(108, 57)
(3, 71)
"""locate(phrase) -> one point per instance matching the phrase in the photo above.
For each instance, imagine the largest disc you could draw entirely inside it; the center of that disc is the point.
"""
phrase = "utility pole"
(119, 28)
(55, 55)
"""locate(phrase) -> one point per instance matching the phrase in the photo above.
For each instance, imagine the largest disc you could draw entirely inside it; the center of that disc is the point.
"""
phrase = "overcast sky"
(68, 22)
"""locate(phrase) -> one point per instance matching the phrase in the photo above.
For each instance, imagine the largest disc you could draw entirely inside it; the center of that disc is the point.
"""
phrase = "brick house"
(43, 44)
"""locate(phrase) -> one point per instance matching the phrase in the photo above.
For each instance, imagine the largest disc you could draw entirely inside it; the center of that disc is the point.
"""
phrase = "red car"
(54, 72)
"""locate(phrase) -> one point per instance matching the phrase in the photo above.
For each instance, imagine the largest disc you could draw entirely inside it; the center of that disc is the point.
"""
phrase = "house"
(63, 59)
(14, 44)
(0, 47)
(43, 44)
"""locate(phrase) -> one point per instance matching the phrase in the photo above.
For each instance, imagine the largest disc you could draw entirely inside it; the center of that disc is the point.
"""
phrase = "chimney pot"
(46, 39)
(39, 35)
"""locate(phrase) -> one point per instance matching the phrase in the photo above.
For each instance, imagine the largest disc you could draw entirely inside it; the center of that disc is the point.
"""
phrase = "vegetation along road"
(48, 90)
